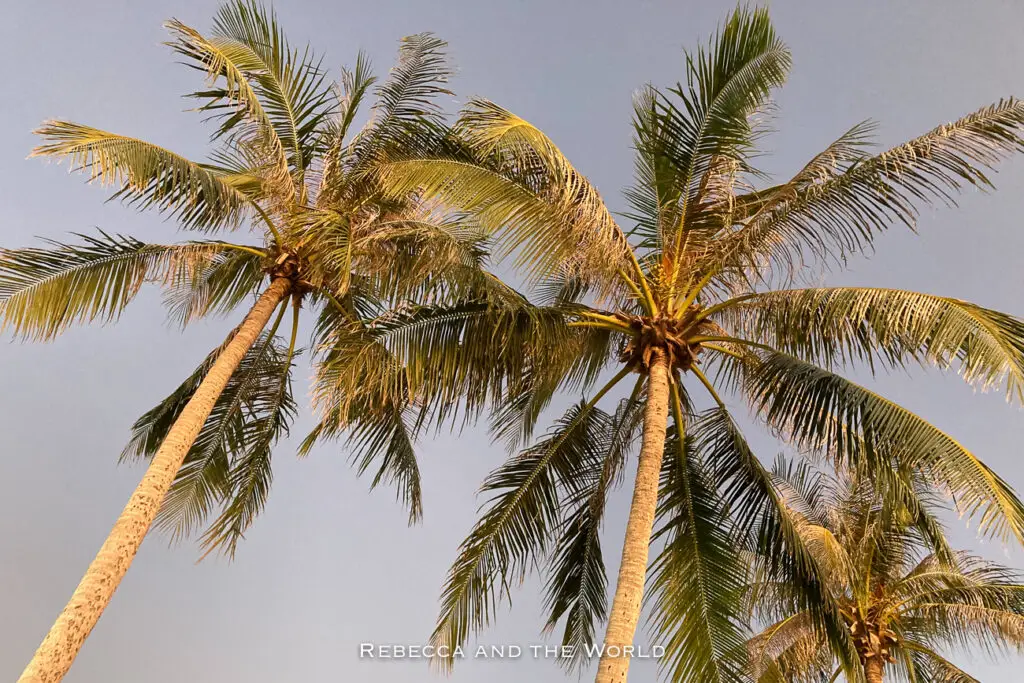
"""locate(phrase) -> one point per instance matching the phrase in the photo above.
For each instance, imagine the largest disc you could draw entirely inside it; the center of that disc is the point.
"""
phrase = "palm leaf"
(248, 416)
(217, 287)
(697, 580)
(821, 410)
(522, 516)
(45, 290)
(843, 213)
(146, 175)
(836, 324)
(577, 583)
(289, 83)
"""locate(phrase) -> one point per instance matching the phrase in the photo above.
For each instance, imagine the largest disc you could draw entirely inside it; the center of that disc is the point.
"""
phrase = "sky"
(331, 565)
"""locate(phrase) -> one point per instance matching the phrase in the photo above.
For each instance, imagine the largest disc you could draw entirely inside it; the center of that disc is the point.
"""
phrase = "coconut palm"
(903, 603)
(292, 171)
(697, 287)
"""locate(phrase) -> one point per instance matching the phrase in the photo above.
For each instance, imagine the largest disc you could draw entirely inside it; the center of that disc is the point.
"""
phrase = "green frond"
(383, 437)
(289, 82)
(768, 521)
(456, 358)
(520, 520)
(228, 464)
(577, 583)
(248, 481)
(839, 324)
(843, 213)
(216, 288)
(792, 647)
(148, 176)
(43, 291)
(517, 183)
(690, 149)
(697, 581)
(821, 410)
(354, 86)
(931, 667)
(406, 117)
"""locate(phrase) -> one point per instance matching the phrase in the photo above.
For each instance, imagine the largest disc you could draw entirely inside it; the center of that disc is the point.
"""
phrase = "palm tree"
(699, 282)
(903, 600)
(289, 170)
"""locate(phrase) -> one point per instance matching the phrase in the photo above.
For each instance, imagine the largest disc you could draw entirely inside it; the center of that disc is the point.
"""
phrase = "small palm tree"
(904, 600)
(289, 171)
(699, 283)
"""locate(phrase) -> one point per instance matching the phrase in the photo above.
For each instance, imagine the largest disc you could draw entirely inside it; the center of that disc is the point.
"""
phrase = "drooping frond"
(821, 410)
(146, 175)
(45, 290)
(228, 464)
(455, 358)
(931, 667)
(249, 479)
(216, 288)
(577, 583)
(697, 581)
(381, 437)
(833, 325)
(768, 523)
(519, 522)
(792, 647)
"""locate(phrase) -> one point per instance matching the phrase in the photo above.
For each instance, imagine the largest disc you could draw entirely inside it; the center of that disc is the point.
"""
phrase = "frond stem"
(707, 385)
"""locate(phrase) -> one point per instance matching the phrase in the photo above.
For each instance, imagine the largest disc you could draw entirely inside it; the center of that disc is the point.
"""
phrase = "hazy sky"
(330, 565)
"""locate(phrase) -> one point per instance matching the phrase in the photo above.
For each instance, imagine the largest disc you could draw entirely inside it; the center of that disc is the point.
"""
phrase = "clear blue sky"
(330, 565)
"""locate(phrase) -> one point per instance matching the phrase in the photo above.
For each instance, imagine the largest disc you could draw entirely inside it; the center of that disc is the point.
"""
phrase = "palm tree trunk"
(873, 668)
(629, 591)
(61, 645)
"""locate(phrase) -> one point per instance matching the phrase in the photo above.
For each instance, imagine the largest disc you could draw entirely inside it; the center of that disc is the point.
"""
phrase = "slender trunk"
(873, 668)
(58, 650)
(629, 591)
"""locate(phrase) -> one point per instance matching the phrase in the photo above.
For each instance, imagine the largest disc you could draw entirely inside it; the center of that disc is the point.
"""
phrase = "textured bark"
(629, 590)
(61, 645)
(873, 668)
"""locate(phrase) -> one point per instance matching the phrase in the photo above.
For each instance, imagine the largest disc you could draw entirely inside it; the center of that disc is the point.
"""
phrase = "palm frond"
(354, 86)
(43, 291)
(289, 82)
(706, 135)
(843, 213)
(931, 667)
(147, 175)
(768, 523)
(517, 183)
(518, 524)
(838, 324)
(406, 115)
(697, 580)
(577, 583)
(217, 287)
(232, 446)
(381, 434)
(823, 411)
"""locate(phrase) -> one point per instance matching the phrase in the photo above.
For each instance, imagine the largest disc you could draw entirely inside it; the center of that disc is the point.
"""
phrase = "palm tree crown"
(292, 169)
(694, 296)
(289, 170)
(904, 598)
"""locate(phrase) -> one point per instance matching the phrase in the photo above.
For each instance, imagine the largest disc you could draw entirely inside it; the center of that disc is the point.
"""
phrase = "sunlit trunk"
(61, 645)
(629, 590)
